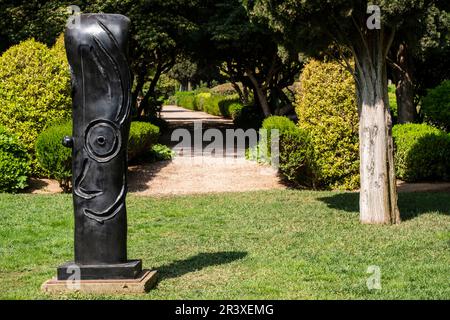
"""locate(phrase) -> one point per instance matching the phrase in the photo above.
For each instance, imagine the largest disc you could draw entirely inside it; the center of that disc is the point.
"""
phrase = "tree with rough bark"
(368, 31)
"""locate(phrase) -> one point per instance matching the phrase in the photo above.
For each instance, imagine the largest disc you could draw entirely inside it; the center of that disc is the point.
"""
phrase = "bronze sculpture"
(101, 83)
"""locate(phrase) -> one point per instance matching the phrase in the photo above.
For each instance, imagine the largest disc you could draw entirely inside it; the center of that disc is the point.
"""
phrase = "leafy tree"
(419, 59)
(312, 25)
(247, 52)
(161, 31)
(38, 19)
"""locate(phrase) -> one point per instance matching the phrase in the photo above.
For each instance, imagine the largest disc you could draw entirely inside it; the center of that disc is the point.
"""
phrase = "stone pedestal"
(141, 284)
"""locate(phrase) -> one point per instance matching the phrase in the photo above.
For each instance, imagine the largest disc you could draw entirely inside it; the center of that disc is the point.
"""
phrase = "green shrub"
(14, 163)
(436, 106)
(34, 89)
(393, 102)
(295, 152)
(161, 152)
(422, 152)
(296, 158)
(143, 135)
(56, 159)
(185, 99)
(53, 157)
(327, 110)
(200, 100)
(246, 117)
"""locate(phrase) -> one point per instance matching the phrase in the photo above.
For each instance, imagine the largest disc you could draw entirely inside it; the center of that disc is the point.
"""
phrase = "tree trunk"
(378, 193)
(150, 92)
(240, 92)
(402, 73)
(260, 95)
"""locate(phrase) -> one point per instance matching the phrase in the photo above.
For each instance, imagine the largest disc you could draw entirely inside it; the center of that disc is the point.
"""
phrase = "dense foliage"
(14, 163)
(327, 111)
(436, 106)
(295, 151)
(422, 152)
(54, 158)
(34, 89)
(143, 135)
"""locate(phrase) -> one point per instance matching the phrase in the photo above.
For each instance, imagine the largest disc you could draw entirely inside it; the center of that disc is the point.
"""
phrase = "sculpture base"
(142, 284)
(129, 270)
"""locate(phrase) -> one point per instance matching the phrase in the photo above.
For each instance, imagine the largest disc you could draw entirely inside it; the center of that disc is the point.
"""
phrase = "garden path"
(196, 171)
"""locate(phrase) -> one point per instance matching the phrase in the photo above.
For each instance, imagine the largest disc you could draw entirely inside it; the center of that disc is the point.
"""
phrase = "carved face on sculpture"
(101, 97)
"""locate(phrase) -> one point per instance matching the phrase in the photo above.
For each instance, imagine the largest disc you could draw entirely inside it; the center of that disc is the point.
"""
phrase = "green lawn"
(257, 245)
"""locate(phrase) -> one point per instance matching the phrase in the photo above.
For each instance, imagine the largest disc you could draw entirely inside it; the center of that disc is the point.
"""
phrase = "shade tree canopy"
(368, 32)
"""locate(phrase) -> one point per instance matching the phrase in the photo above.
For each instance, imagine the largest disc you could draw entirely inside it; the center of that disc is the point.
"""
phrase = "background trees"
(416, 58)
(162, 30)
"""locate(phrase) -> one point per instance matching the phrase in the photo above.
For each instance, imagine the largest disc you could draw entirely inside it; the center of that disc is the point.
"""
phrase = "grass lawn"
(256, 245)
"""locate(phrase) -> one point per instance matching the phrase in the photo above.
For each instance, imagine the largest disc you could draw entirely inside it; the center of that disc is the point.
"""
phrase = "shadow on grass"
(411, 204)
(197, 262)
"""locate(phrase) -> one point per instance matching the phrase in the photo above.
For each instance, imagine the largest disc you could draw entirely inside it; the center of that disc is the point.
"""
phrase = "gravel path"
(193, 171)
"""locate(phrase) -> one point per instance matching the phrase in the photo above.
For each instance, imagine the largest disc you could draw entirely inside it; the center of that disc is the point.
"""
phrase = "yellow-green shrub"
(34, 89)
(14, 163)
(327, 110)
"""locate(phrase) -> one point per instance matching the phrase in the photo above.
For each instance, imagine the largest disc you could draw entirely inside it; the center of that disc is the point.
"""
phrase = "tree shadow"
(197, 262)
(411, 204)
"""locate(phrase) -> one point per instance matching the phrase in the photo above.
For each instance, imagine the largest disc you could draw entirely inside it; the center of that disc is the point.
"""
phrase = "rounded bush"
(422, 152)
(143, 135)
(14, 163)
(52, 156)
(295, 152)
(225, 89)
(436, 106)
(327, 110)
(34, 89)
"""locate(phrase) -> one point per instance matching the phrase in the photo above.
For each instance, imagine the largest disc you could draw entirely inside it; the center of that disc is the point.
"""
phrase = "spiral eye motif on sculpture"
(103, 140)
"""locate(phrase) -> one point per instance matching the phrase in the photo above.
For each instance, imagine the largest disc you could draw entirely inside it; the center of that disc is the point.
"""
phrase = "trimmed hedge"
(34, 89)
(327, 110)
(53, 157)
(56, 159)
(14, 163)
(295, 151)
(215, 104)
(422, 152)
(436, 106)
(185, 99)
(143, 135)
(228, 106)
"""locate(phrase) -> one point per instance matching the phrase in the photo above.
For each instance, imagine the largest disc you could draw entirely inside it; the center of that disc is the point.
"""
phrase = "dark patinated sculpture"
(101, 83)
